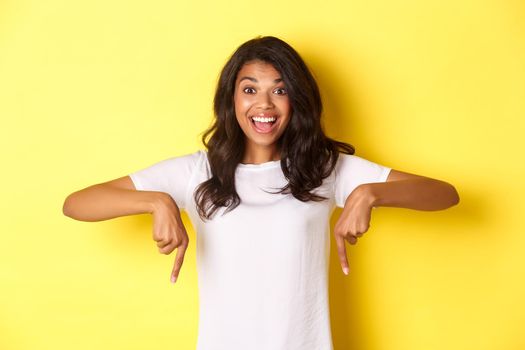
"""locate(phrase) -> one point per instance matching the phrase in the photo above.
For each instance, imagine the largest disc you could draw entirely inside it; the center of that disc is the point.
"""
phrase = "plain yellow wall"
(91, 91)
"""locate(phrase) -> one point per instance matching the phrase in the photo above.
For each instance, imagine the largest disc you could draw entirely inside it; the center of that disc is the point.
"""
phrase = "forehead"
(259, 70)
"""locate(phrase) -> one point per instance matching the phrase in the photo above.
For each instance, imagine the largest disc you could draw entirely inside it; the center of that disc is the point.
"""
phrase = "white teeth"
(264, 120)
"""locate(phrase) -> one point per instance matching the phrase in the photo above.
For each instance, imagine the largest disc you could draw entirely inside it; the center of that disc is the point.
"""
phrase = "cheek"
(240, 111)
(288, 112)
(242, 103)
(285, 108)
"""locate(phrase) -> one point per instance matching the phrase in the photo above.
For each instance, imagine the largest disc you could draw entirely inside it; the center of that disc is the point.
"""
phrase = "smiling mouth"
(263, 124)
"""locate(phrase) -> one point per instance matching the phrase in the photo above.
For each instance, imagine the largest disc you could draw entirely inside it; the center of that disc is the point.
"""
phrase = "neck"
(254, 154)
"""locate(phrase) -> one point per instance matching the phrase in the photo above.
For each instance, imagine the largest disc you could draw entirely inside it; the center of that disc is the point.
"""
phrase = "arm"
(405, 190)
(110, 200)
(120, 198)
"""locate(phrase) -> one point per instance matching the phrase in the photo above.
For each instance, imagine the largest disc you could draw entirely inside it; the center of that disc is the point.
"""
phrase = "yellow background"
(93, 90)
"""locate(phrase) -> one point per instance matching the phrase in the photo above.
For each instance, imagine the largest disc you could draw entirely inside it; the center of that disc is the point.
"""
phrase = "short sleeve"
(171, 176)
(352, 171)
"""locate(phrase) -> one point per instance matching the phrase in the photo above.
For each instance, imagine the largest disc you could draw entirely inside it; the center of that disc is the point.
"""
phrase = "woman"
(260, 199)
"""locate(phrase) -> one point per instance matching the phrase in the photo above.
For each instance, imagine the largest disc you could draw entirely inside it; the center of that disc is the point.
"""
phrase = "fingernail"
(173, 279)
(345, 270)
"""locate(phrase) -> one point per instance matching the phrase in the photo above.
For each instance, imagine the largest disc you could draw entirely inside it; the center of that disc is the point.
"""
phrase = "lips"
(264, 123)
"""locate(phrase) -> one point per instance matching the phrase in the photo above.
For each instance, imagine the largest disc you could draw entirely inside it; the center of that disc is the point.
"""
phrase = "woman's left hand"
(353, 222)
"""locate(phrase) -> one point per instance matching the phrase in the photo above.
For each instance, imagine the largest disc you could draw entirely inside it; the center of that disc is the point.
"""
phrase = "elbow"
(67, 207)
(454, 196)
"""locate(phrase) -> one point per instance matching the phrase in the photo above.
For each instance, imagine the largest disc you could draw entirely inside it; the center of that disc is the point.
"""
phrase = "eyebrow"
(255, 80)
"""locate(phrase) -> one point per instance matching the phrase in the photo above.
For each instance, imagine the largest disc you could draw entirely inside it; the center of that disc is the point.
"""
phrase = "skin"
(259, 89)
(261, 92)
(402, 190)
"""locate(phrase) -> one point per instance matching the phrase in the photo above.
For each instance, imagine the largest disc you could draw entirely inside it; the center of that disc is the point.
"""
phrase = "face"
(262, 106)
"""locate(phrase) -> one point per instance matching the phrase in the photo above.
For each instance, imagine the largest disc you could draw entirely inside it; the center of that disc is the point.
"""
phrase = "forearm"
(101, 202)
(420, 194)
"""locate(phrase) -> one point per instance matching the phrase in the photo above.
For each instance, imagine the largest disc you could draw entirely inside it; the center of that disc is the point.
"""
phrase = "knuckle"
(165, 250)
(339, 232)
(182, 241)
(159, 238)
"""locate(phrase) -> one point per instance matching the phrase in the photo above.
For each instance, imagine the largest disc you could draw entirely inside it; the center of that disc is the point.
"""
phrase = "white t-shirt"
(263, 267)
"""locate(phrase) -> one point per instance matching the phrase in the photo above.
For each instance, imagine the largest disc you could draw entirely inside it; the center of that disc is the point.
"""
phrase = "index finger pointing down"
(179, 258)
(341, 251)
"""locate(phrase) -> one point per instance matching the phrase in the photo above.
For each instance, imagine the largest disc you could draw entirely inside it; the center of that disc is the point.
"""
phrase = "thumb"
(179, 258)
(341, 251)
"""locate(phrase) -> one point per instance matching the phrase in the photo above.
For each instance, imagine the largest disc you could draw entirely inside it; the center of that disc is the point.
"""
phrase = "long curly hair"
(307, 155)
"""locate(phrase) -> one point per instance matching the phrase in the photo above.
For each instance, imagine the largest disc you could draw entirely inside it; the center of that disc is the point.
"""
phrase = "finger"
(341, 251)
(167, 249)
(179, 258)
(163, 243)
(351, 239)
(161, 239)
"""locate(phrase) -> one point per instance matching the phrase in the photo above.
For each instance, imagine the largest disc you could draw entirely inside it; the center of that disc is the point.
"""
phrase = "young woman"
(260, 198)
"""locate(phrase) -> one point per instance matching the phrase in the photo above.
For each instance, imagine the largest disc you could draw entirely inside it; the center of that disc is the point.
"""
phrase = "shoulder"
(184, 163)
(191, 163)
(350, 160)
(190, 159)
(359, 167)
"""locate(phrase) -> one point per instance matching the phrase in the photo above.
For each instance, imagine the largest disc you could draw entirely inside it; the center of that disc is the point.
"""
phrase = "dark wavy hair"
(307, 155)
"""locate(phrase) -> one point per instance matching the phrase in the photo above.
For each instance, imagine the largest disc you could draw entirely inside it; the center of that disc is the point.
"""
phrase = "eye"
(280, 91)
(249, 90)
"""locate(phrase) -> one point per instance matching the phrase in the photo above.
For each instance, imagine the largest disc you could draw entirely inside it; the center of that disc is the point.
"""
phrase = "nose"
(265, 101)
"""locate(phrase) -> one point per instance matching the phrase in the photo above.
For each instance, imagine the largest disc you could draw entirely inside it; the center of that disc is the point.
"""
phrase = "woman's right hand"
(169, 231)
(119, 197)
